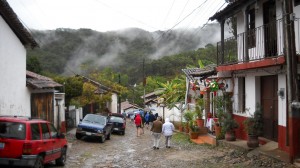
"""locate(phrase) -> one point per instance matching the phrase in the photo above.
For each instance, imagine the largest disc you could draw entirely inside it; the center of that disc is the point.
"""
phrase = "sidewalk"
(270, 149)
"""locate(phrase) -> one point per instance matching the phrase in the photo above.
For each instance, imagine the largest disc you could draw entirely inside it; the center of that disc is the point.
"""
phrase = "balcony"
(263, 43)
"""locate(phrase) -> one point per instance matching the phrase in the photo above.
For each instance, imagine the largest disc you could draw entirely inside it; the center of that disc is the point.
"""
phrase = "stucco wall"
(14, 97)
(114, 103)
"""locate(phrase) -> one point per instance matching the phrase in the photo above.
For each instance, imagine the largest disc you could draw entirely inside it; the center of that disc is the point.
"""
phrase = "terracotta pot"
(194, 135)
(252, 141)
(200, 122)
(218, 130)
(180, 128)
(187, 129)
(230, 136)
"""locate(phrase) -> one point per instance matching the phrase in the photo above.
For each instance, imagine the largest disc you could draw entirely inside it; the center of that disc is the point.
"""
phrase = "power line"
(168, 13)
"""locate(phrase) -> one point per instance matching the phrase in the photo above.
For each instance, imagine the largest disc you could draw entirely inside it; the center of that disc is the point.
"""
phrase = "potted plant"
(189, 116)
(199, 112)
(254, 127)
(220, 114)
(229, 125)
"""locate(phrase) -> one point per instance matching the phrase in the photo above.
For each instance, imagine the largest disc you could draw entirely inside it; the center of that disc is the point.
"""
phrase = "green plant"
(254, 124)
(199, 108)
(229, 123)
(220, 109)
(189, 117)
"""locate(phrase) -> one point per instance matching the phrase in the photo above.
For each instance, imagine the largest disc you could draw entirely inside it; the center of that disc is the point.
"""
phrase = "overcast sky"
(107, 15)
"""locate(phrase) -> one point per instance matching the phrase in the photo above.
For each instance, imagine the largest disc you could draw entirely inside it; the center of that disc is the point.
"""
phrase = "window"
(12, 130)
(35, 132)
(241, 94)
(53, 131)
(251, 28)
(45, 131)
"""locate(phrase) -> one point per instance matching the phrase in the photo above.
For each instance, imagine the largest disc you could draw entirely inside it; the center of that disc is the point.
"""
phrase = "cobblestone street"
(131, 151)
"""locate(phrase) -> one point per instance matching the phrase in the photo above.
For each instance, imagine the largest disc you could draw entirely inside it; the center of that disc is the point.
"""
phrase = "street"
(131, 151)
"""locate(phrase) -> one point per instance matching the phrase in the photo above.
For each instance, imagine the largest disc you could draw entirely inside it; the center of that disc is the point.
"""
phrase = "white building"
(14, 95)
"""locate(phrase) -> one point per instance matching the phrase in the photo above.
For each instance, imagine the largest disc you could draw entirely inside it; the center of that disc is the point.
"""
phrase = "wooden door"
(269, 103)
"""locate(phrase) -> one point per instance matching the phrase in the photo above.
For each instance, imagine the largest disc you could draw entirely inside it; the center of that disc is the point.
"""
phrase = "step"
(205, 139)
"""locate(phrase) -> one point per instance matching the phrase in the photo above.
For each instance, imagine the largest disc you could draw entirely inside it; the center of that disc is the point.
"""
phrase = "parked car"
(94, 125)
(30, 142)
(118, 123)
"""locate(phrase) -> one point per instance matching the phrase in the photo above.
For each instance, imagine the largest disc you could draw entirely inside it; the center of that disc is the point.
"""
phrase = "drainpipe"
(292, 83)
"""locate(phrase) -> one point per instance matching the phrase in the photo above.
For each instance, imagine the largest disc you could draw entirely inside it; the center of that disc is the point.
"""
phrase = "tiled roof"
(230, 9)
(101, 88)
(37, 81)
(127, 105)
(199, 72)
(14, 23)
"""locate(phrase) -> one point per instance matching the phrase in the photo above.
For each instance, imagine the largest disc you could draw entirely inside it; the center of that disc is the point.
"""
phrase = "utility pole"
(292, 79)
(144, 82)
(119, 97)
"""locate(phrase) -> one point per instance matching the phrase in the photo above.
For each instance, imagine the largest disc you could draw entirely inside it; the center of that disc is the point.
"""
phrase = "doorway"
(269, 103)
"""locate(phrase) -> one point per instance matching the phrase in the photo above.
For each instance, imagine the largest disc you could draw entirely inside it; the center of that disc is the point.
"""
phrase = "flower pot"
(194, 135)
(200, 122)
(252, 141)
(230, 136)
(187, 129)
(180, 128)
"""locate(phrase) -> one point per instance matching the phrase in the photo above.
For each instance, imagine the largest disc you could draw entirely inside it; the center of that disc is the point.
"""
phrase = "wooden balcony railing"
(262, 42)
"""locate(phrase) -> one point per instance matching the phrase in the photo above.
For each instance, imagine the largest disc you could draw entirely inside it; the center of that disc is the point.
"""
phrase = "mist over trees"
(132, 52)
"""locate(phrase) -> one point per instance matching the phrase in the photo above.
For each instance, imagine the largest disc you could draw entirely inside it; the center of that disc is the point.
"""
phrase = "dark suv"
(30, 142)
(94, 125)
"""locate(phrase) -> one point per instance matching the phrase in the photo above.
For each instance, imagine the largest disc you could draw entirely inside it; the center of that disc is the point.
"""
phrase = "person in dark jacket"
(151, 119)
(156, 132)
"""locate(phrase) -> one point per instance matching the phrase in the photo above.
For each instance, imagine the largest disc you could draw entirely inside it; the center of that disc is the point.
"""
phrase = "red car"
(30, 142)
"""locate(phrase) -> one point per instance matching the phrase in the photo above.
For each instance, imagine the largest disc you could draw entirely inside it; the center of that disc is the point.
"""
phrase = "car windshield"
(12, 130)
(95, 119)
(116, 119)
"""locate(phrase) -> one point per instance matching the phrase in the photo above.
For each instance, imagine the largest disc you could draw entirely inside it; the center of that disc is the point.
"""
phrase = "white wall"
(113, 107)
(14, 95)
(282, 108)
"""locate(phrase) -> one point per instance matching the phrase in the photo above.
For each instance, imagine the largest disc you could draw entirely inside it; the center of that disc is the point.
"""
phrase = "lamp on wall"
(280, 93)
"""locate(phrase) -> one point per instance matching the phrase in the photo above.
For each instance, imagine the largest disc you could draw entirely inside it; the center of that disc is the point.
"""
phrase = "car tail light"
(123, 125)
(27, 148)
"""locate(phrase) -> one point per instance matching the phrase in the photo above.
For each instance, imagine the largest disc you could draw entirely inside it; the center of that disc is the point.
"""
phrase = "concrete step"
(205, 139)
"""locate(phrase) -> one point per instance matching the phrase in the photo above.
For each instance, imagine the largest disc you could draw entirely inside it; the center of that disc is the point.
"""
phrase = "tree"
(173, 91)
(33, 64)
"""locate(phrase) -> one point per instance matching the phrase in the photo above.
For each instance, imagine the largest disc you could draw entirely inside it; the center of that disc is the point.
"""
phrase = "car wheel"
(39, 162)
(102, 139)
(63, 157)
(123, 133)
(78, 136)
(108, 136)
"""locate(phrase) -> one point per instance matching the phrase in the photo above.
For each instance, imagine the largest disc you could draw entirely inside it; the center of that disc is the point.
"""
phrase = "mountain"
(67, 51)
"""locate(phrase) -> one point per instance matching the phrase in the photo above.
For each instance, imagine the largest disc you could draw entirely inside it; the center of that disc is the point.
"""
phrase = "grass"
(181, 138)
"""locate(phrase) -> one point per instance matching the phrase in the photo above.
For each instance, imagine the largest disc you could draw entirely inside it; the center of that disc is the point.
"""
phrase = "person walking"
(167, 130)
(138, 124)
(156, 132)
(147, 120)
(151, 119)
(143, 123)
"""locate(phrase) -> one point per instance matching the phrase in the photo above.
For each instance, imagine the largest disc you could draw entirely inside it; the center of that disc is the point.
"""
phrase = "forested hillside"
(130, 51)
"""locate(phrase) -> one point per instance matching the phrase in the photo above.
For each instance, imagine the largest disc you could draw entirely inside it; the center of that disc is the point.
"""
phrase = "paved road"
(131, 151)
